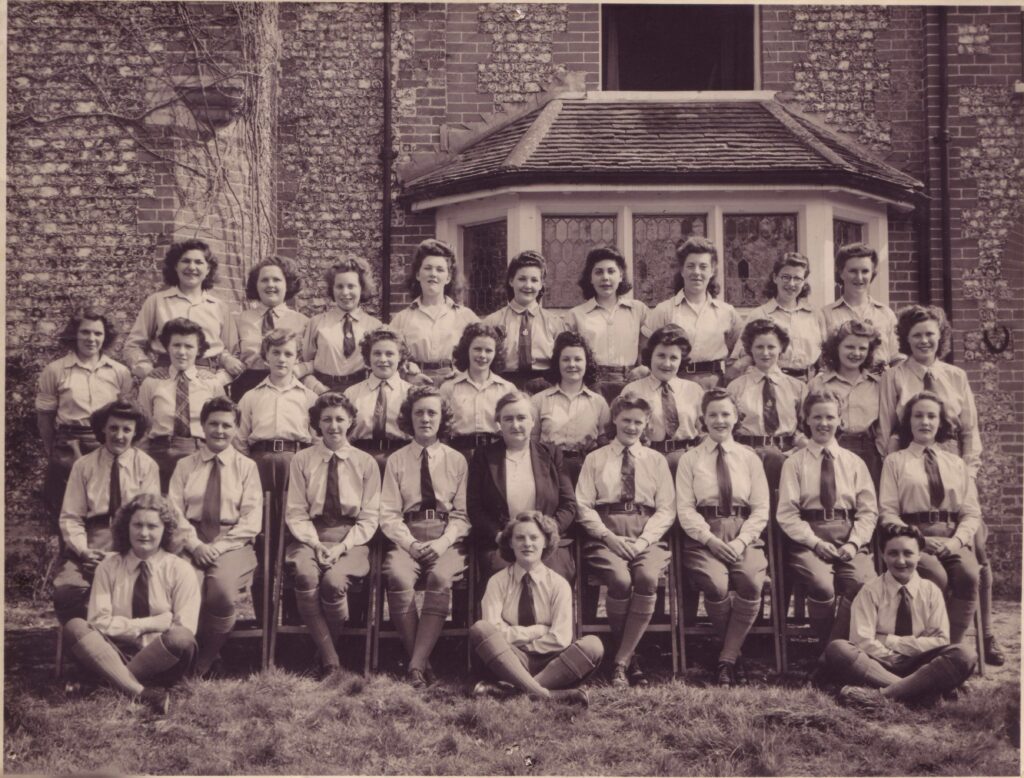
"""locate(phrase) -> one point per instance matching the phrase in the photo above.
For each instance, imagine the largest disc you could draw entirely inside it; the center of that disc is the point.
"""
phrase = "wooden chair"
(463, 610)
(586, 593)
(769, 620)
(284, 617)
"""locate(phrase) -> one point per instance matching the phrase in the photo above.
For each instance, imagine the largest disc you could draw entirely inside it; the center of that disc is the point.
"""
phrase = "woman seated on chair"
(927, 486)
(144, 606)
(333, 504)
(518, 474)
(722, 500)
(525, 635)
(626, 503)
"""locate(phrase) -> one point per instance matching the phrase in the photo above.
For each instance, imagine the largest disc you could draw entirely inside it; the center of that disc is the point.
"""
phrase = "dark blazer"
(486, 498)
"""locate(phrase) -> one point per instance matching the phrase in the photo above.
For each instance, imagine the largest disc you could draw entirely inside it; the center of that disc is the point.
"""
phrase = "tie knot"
(143, 567)
(666, 387)
(826, 453)
(527, 581)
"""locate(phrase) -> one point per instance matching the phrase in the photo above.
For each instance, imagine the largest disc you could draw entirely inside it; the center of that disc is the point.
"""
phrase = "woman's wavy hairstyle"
(183, 326)
(600, 254)
(292, 281)
(913, 315)
(69, 336)
(359, 266)
(528, 258)
(715, 395)
(696, 245)
(120, 541)
(373, 337)
(758, 327)
(174, 255)
(853, 251)
(416, 394)
(121, 409)
(816, 398)
(945, 430)
(477, 329)
(830, 348)
(789, 259)
(547, 526)
(432, 247)
(332, 400)
(569, 339)
(669, 335)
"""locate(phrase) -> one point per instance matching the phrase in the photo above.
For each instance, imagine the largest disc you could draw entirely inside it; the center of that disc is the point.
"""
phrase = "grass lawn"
(286, 723)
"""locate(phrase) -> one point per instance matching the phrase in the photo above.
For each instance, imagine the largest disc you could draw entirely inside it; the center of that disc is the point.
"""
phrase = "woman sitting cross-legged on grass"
(899, 633)
(525, 635)
(144, 607)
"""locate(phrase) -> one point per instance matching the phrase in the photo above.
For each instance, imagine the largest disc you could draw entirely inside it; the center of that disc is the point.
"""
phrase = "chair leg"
(267, 574)
(672, 592)
(58, 662)
(373, 585)
(979, 643)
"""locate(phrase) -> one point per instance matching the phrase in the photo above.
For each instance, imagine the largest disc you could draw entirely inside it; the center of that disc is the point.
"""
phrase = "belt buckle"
(934, 517)
(430, 514)
(720, 514)
(278, 446)
(828, 514)
(480, 439)
(629, 507)
(691, 367)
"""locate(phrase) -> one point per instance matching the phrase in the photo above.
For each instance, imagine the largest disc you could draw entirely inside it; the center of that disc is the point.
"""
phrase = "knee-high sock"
(435, 611)
(744, 614)
(841, 624)
(573, 665)
(155, 659)
(641, 609)
(100, 658)
(719, 612)
(821, 614)
(308, 603)
(942, 674)
(501, 660)
(616, 611)
(213, 634)
(336, 614)
(985, 598)
(402, 607)
(961, 614)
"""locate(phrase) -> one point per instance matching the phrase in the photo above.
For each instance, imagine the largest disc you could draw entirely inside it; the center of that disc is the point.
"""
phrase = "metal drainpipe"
(943, 140)
(387, 155)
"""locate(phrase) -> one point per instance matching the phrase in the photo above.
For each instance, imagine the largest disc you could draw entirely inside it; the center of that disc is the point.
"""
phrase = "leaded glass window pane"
(654, 250)
(752, 244)
(485, 249)
(844, 232)
(566, 241)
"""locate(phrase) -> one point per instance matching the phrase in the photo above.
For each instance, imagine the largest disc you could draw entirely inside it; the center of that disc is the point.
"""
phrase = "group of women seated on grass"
(516, 435)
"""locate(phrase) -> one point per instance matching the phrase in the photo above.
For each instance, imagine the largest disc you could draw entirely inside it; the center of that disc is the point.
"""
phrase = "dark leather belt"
(341, 521)
(428, 515)
(169, 440)
(930, 517)
(605, 371)
(473, 441)
(379, 444)
(716, 366)
(668, 446)
(327, 378)
(714, 512)
(782, 442)
(276, 446)
(439, 365)
(803, 373)
(860, 437)
(819, 514)
(623, 507)
(99, 520)
(75, 429)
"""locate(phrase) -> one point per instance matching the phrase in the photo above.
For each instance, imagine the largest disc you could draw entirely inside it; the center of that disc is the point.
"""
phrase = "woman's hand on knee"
(826, 551)
(205, 554)
(619, 546)
(722, 550)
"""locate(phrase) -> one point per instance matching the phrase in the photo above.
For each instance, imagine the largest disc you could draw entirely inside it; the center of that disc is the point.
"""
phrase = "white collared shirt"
(473, 403)
(613, 336)
(712, 331)
(249, 332)
(544, 327)
(74, 390)
(364, 397)
(552, 604)
(873, 617)
(158, 392)
(210, 313)
(269, 412)
(568, 421)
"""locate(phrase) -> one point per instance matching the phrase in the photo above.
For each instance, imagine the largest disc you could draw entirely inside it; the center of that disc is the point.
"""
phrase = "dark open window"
(677, 47)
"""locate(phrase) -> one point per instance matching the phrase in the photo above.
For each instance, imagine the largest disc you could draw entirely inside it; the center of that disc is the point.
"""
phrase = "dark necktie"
(268, 322)
(628, 477)
(349, 346)
(140, 592)
(668, 408)
(332, 494)
(724, 482)
(770, 407)
(936, 491)
(904, 618)
(827, 487)
(182, 414)
(527, 613)
(209, 521)
(524, 341)
(115, 487)
(428, 500)
(929, 381)
(380, 412)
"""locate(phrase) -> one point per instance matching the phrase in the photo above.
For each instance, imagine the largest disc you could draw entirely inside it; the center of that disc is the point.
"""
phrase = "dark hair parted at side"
(219, 405)
(913, 315)
(600, 254)
(789, 259)
(373, 337)
(507, 399)
(432, 247)
(174, 255)
(816, 398)
(547, 526)
(278, 337)
(692, 246)
(181, 326)
(528, 258)
(669, 335)
(357, 265)
(759, 327)
(69, 336)
(477, 329)
(887, 532)
(416, 394)
(120, 409)
(718, 394)
(853, 251)
(830, 348)
(569, 339)
(292, 281)
(942, 434)
(332, 400)
(120, 541)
